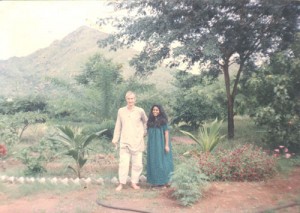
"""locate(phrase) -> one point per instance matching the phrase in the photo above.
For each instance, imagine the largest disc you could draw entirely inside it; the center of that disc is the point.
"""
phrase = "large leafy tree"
(101, 75)
(275, 98)
(216, 33)
(196, 99)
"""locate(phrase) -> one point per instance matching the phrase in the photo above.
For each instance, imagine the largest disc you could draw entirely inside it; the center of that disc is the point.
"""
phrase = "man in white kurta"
(130, 130)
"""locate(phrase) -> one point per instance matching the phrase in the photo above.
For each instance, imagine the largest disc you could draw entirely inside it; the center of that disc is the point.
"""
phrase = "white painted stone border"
(65, 181)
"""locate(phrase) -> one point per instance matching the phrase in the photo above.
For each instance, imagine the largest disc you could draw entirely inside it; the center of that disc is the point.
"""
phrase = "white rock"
(21, 180)
(41, 180)
(32, 180)
(88, 180)
(76, 181)
(54, 180)
(11, 179)
(99, 181)
(27, 179)
(143, 179)
(114, 180)
(3, 178)
(65, 181)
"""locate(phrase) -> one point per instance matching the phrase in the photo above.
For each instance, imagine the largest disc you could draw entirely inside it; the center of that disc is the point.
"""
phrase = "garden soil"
(218, 197)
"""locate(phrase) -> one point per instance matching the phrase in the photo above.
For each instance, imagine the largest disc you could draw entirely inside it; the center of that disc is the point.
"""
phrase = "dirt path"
(219, 197)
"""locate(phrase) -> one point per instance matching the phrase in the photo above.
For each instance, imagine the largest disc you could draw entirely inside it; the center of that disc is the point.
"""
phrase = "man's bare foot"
(120, 187)
(134, 186)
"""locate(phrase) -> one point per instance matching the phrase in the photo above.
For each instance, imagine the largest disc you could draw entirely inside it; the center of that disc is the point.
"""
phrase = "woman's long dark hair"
(158, 121)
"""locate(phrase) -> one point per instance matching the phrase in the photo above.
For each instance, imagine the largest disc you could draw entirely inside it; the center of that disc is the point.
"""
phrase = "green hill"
(64, 59)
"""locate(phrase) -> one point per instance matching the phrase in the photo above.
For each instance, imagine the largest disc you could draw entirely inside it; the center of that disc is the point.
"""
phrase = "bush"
(243, 163)
(75, 143)
(208, 135)
(34, 161)
(3, 150)
(273, 100)
(188, 183)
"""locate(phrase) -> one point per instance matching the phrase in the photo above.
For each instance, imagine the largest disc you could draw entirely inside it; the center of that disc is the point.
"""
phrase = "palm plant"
(208, 135)
(76, 143)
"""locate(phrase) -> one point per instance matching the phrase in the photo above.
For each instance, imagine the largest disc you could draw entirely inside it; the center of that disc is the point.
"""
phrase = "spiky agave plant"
(208, 135)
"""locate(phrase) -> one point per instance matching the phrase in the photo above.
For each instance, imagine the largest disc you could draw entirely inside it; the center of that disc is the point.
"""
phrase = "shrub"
(188, 183)
(33, 161)
(243, 163)
(208, 136)
(75, 143)
(273, 99)
(3, 150)
(286, 159)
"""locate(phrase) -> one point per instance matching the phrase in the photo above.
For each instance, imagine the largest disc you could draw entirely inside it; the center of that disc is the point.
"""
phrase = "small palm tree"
(208, 135)
(76, 142)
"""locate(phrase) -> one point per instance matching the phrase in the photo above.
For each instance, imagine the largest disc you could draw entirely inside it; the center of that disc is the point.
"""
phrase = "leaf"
(208, 137)
(74, 153)
(81, 162)
(191, 136)
(67, 131)
(74, 170)
(93, 136)
(101, 132)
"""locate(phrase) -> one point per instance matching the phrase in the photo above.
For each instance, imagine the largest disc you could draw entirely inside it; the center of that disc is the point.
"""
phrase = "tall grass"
(245, 132)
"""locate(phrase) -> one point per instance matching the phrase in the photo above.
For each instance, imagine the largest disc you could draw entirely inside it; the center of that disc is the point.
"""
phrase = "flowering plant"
(241, 163)
(3, 150)
(282, 151)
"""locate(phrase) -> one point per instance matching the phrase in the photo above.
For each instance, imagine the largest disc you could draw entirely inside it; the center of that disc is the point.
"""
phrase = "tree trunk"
(230, 117)
(23, 129)
(230, 102)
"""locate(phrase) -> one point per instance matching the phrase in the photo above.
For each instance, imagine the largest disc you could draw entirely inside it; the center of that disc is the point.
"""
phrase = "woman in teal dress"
(159, 149)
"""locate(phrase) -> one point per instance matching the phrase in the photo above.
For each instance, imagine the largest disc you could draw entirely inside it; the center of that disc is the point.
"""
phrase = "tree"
(275, 102)
(102, 75)
(214, 33)
(196, 99)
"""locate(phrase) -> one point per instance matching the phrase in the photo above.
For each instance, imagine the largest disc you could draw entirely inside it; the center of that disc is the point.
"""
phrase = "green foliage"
(196, 99)
(13, 126)
(8, 133)
(102, 75)
(190, 22)
(242, 163)
(23, 104)
(99, 93)
(188, 182)
(145, 92)
(20, 121)
(49, 149)
(104, 146)
(208, 135)
(286, 159)
(214, 34)
(109, 125)
(36, 157)
(276, 102)
(93, 97)
(23, 120)
(33, 161)
(17, 115)
(75, 144)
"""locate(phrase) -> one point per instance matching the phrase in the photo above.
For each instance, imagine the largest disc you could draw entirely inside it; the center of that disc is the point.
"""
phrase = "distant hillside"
(64, 59)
